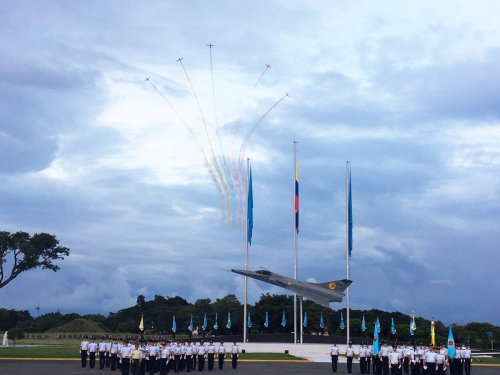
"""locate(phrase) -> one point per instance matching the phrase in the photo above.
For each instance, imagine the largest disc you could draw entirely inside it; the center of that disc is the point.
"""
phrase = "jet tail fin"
(338, 285)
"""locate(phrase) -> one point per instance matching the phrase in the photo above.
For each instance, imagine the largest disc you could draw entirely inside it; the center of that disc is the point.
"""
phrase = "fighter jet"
(321, 293)
(147, 79)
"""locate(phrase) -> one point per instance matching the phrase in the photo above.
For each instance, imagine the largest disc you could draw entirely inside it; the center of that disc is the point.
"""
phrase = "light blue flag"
(174, 325)
(266, 323)
(283, 320)
(250, 208)
(363, 325)
(342, 326)
(204, 326)
(216, 325)
(376, 341)
(228, 325)
(451, 345)
(321, 322)
(305, 319)
(249, 321)
(378, 325)
(191, 326)
(413, 326)
(393, 329)
(349, 213)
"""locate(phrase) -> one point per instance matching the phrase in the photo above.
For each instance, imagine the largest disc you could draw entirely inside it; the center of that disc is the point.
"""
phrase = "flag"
(305, 319)
(141, 324)
(433, 333)
(297, 194)
(349, 214)
(393, 329)
(250, 208)
(249, 321)
(363, 325)
(216, 325)
(451, 345)
(228, 325)
(376, 341)
(413, 325)
(191, 326)
(266, 323)
(174, 325)
(377, 325)
(204, 326)
(342, 326)
(283, 320)
(321, 322)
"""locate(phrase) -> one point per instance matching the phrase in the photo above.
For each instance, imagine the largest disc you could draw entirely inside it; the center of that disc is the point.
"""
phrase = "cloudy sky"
(92, 153)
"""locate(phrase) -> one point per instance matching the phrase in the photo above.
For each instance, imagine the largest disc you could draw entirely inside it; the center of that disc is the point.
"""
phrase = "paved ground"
(11, 367)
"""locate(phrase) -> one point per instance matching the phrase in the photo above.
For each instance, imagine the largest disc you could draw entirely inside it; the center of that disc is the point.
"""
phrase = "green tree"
(27, 253)
(15, 334)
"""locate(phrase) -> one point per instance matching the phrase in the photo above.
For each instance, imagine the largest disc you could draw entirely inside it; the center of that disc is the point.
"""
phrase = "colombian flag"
(141, 324)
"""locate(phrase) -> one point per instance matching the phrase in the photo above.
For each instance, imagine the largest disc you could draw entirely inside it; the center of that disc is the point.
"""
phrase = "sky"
(122, 170)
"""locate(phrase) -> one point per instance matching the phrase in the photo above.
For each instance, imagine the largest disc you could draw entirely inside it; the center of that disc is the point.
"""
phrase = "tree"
(15, 334)
(28, 253)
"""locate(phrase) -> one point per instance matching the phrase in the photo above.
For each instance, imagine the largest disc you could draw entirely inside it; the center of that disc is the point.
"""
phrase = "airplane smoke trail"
(207, 165)
(214, 159)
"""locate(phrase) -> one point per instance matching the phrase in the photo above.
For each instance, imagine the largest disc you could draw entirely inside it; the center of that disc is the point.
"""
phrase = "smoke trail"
(207, 165)
(214, 159)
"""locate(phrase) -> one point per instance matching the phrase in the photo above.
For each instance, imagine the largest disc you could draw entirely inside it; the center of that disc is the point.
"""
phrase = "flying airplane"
(321, 293)
(147, 79)
(269, 66)
(180, 59)
(210, 45)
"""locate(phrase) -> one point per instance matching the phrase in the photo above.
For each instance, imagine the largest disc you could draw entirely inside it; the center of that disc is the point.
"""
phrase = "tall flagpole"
(294, 241)
(246, 262)
(348, 192)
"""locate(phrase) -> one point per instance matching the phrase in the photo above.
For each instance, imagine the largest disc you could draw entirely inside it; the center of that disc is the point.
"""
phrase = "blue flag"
(216, 325)
(204, 326)
(266, 323)
(349, 213)
(451, 345)
(191, 326)
(250, 208)
(228, 325)
(376, 341)
(342, 326)
(305, 319)
(321, 322)
(174, 325)
(249, 321)
(377, 325)
(283, 320)
(363, 325)
(393, 329)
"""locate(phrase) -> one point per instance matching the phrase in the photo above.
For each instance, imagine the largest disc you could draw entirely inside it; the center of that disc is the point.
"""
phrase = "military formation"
(402, 358)
(152, 357)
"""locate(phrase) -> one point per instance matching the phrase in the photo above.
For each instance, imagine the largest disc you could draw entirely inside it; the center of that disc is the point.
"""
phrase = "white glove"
(425, 367)
(444, 368)
(399, 366)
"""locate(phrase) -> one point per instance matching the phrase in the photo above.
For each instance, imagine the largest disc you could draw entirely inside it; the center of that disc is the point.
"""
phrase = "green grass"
(489, 361)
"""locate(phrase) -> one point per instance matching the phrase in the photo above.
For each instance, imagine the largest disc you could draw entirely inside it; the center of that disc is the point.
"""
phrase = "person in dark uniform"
(362, 358)
(334, 354)
(349, 353)
(235, 352)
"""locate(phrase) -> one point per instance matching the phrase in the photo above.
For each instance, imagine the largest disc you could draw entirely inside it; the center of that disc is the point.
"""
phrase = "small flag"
(305, 319)
(342, 326)
(451, 345)
(376, 341)
(321, 322)
(413, 325)
(283, 320)
(349, 213)
(141, 324)
(204, 326)
(363, 325)
(191, 327)
(297, 194)
(393, 329)
(249, 321)
(433, 333)
(266, 323)
(216, 325)
(228, 325)
(377, 325)
(174, 325)
(250, 208)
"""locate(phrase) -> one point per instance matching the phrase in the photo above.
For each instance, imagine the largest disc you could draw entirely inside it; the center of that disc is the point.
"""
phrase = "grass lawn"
(483, 361)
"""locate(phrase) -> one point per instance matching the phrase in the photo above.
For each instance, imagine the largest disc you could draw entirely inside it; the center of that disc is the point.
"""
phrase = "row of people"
(153, 357)
(421, 360)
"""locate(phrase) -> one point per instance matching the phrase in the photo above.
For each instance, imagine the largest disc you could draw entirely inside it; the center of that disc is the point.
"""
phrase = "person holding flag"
(376, 349)
(451, 351)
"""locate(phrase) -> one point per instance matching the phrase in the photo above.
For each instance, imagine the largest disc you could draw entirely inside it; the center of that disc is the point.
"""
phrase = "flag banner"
(363, 325)
(174, 325)
(321, 322)
(283, 320)
(191, 326)
(266, 322)
(305, 319)
(349, 214)
(342, 326)
(433, 333)
(451, 345)
(228, 325)
(250, 208)
(297, 194)
(141, 324)
(393, 329)
(377, 325)
(376, 341)
(413, 325)
(204, 326)
(216, 325)
(249, 321)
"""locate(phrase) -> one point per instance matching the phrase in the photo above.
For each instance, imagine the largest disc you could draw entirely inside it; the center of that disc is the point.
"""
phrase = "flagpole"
(246, 262)
(347, 246)
(294, 241)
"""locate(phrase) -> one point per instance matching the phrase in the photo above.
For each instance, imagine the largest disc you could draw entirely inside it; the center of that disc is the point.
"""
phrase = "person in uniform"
(93, 349)
(221, 353)
(334, 354)
(362, 358)
(202, 353)
(102, 351)
(466, 354)
(384, 353)
(164, 354)
(113, 354)
(430, 361)
(406, 359)
(135, 360)
(412, 358)
(189, 356)
(235, 352)
(152, 353)
(369, 355)
(349, 353)
(440, 361)
(107, 355)
(177, 357)
(195, 354)
(84, 347)
(125, 358)
(211, 355)
(394, 360)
